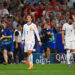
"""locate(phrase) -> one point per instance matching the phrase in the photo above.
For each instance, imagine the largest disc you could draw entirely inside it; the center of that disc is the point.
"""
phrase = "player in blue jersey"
(45, 35)
(6, 42)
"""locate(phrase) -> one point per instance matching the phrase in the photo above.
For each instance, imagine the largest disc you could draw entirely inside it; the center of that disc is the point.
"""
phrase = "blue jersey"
(52, 38)
(46, 37)
(6, 41)
(50, 42)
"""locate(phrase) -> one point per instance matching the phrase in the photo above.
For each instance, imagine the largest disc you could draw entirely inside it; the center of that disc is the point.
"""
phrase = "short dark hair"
(71, 18)
(18, 25)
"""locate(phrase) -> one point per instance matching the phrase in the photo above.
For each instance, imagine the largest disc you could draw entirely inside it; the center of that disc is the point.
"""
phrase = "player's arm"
(37, 34)
(16, 38)
(73, 17)
(63, 35)
(41, 36)
(8, 36)
(50, 32)
(2, 37)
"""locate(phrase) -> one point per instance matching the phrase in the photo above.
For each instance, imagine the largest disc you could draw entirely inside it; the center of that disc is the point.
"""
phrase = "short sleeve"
(16, 33)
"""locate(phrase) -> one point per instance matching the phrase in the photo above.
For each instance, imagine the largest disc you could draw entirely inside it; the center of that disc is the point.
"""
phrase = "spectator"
(3, 11)
(15, 23)
(17, 42)
(6, 42)
(45, 34)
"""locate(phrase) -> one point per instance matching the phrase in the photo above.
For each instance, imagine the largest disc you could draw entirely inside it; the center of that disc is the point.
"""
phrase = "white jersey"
(18, 34)
(68, 31)
(72, 33)
(29, 31)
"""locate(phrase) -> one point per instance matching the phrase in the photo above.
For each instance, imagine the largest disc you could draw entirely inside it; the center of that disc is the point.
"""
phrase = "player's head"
(70, 20)
(46, 25)
(4, 24)
(29, 18)
(19, 27)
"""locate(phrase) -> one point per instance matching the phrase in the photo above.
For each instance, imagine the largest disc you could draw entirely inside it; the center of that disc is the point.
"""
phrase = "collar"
(29, 24)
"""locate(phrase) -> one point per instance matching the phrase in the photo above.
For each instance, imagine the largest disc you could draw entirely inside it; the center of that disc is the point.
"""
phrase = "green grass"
(48, 69)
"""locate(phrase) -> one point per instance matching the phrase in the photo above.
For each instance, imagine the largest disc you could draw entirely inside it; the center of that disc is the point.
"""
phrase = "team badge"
(30, 28)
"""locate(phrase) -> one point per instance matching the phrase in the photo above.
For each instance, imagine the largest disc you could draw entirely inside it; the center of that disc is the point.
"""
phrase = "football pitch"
(39, 69)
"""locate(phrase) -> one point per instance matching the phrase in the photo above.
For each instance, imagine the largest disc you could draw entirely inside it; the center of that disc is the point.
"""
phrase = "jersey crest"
(30, 28)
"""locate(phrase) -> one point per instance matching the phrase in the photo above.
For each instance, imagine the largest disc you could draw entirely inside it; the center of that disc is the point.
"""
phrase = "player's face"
(20, 28)
(4, 25)
(46, 26)
(70, 21)
(29, 18)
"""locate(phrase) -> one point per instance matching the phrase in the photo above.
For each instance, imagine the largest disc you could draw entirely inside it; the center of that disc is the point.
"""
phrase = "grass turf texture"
(47, 69)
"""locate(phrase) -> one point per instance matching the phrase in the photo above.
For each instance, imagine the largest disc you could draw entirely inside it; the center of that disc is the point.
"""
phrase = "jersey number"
(27, 32)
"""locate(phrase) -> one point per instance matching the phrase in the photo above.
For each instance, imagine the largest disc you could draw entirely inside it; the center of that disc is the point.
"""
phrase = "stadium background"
(57, 14)
(14, 8)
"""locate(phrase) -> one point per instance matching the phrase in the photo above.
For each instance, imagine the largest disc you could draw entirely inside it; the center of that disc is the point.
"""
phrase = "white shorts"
(70, 45)
(29, 46)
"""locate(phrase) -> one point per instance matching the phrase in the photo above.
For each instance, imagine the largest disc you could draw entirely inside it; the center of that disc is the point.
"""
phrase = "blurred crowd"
(54, 12)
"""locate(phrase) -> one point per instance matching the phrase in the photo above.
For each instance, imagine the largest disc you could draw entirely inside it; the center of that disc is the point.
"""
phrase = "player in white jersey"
(73, 37)
(29, 31)
(67, 38)
(72, 34)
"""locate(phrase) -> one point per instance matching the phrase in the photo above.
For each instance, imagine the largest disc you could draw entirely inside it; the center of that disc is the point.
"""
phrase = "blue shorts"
(8, 47)
(44, 47)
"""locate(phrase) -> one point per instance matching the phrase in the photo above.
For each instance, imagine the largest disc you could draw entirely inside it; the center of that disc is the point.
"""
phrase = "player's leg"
(48, 52)
(15, 54)
(68, 56)
(12, 57)
(11, 52)
(20, 53)
(48, 55)
(73, 48)
(5, 56)
(30, 55)
(30, 59)
(68, 52)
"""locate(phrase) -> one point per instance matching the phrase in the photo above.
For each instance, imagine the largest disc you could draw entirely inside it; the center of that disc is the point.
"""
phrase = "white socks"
(68, 57)
(30, 59)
